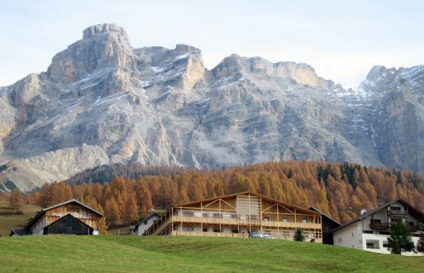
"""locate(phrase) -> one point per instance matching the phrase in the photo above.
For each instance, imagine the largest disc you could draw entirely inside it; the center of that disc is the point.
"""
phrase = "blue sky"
(341, 39)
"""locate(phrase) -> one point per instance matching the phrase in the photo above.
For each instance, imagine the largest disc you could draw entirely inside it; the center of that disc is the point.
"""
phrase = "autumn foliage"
(340, 190)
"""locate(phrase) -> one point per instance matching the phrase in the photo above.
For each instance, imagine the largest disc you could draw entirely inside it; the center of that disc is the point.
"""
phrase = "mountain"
(103, 102)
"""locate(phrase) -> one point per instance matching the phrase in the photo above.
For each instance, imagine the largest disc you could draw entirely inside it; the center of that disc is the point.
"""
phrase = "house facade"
(238, 215)
(370, 230)
(70, 217)
(143, 225)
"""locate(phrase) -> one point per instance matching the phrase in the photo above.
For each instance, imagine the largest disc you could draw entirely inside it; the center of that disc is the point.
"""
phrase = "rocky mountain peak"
(101, 101)
(102, 29)
(229, 66)
(103, 46)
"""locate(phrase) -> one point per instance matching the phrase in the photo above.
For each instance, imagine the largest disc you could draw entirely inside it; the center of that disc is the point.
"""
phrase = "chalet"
(70, 217)
(143, 225)
(238, 215)
(370, 230)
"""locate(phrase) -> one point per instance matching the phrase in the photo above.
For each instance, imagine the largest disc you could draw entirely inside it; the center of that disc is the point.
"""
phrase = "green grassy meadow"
(188, 254)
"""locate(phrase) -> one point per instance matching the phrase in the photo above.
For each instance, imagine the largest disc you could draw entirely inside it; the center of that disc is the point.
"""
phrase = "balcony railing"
(235, 235)
(397, 212)
(379, 225)
(225, 221)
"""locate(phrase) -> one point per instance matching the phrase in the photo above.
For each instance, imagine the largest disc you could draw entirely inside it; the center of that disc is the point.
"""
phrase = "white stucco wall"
(144, 225)
(349, 236)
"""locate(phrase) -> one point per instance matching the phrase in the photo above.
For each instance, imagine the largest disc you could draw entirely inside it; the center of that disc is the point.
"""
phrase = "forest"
(126, 193)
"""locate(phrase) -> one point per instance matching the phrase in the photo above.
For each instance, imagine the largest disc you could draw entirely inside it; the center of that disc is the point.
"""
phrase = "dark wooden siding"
(68, 225)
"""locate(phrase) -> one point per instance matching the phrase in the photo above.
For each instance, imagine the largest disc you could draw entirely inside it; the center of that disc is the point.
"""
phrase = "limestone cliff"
(103, 102)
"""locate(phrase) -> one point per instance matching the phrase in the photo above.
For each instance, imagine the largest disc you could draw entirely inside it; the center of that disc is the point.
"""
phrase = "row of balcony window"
(233, 216)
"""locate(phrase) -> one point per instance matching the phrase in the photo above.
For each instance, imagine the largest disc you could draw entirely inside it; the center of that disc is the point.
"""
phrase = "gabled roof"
(147, 218)
(71, 201)
(325, 215)
(41, 213)
(248, 193)
(411, 210)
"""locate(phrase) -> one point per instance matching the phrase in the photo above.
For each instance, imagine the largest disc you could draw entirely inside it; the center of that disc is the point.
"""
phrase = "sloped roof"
(325, 215)
(411, 209)
(19, 232)
(147, 218)
(248, 193)
(41, 213)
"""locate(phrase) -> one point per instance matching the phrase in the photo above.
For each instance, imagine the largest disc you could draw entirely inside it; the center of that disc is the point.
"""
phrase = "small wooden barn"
(70, 217)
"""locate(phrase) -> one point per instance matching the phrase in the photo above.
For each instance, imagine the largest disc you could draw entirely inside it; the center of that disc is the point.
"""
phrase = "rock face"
(103, 102)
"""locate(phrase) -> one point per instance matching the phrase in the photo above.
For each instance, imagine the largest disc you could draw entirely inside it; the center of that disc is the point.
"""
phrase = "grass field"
(188, 254)
(9, 219)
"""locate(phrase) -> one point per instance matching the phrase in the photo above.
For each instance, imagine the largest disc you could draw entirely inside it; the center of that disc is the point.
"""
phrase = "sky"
(341, 39)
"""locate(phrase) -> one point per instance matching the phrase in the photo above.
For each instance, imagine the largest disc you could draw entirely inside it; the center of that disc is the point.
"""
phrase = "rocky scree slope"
(103, 102)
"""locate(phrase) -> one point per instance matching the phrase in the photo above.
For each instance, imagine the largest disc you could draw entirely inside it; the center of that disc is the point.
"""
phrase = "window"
(372, 244)
(188, 213)
(285, 220)
(216, 215)
(145, 222)
(216, 230)
(395, 208)
(266, 219)
(205, 215)
(234, 231)
(304, 221)
(205, 229)
(385, 244)
(340, 240)
(352, 234)
(188, 228)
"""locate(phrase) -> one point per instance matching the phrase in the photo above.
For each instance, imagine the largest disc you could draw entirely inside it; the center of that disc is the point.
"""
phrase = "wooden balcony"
(235, 235)
(291, 225)
(215, 221)
(397, 213)
(207, 234)
(379, 225)
(237, 222)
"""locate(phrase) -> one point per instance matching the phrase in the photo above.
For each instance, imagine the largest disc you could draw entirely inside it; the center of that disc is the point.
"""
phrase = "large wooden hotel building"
(238, 215)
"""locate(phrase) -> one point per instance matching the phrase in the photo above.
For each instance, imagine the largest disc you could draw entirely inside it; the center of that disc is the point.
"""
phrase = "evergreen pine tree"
(400, 238)
(298, 235)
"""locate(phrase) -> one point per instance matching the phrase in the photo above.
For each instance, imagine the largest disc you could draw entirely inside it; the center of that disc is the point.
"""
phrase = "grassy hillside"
(9, 219)
(188, 254)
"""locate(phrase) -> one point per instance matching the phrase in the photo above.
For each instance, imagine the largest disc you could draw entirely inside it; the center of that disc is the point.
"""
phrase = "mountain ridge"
(159, 106)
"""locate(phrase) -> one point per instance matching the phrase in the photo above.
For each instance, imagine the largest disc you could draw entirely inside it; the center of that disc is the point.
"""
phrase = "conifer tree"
(130, 213)
(400, 238)
(102, 222)
(113, 216)
(15, 199)
(298, 235)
